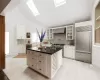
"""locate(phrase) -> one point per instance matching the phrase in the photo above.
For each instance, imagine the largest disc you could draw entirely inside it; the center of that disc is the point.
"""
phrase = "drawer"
(34, 66)
(33, 55)
(28, 55)
(41, 67)
(41, 56)
(85, 57)
(28, 51)
(31, 61)
(41, 61)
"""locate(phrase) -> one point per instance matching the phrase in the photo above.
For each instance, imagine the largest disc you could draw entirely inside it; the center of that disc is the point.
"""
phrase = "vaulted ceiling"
(50, 16)
(3, 4)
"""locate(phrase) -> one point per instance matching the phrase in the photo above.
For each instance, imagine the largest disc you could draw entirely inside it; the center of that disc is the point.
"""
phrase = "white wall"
(96, 49)
(14, 18)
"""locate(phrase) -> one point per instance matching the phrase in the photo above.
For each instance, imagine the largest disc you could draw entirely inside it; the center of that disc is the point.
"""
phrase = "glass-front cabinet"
(70, 32)
(50, 34)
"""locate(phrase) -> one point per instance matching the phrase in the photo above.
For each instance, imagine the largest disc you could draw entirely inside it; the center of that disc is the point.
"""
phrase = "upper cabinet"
(59, 30)
(49, 34)
(70, 29)
(64, 30)
(86, 23)
(21, 32)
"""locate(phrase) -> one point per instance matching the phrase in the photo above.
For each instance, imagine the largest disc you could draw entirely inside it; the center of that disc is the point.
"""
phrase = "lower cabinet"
(45, 64)
(69, 51)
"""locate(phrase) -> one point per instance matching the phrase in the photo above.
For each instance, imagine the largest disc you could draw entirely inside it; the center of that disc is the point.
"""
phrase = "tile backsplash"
(61, 39)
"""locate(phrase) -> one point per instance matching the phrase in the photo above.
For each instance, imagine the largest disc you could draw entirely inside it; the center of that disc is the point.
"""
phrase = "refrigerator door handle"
(83, 51)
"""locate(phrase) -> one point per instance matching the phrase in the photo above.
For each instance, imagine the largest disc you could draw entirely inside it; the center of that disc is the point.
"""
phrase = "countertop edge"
(45, 52)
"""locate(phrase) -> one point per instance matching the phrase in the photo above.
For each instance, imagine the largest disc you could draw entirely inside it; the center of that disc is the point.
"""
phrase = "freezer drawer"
(84, 57)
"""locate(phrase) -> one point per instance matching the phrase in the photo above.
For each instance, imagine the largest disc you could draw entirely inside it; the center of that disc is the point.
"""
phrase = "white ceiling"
(50, 16)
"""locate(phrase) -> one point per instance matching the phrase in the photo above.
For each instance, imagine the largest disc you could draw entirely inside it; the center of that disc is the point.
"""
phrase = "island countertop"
(47, 50)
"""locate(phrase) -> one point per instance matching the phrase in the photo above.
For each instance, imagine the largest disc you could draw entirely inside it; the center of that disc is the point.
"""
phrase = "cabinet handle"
(39, 69)
(32, 65)
(40, 55)
(32, 58)
(39, 61)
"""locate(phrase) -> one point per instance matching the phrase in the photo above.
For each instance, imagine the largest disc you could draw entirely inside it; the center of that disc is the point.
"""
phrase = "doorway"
(7, 43)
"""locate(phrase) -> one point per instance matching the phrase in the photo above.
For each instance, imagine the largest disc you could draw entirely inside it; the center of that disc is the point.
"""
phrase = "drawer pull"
(39, 69)
(32, 65)
(32, 58)
(39, 61)
(40, 55)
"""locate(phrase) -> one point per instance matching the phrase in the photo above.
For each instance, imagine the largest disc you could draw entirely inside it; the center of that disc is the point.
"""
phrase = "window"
(7, 43)
(35, 38)
(32, 7)
(59, 2)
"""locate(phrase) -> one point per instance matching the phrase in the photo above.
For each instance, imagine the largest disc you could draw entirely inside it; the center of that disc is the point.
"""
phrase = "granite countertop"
(47, 50)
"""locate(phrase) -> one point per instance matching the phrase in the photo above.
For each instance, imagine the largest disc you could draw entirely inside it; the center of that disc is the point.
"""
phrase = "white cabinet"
(49, 34)
(86, 23)
(69, 51)
(70, 32)
(58, 30)
(43, 63)
(20, 32)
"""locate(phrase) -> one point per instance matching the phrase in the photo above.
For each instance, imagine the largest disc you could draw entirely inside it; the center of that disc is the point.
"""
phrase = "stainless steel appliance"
(83, 43)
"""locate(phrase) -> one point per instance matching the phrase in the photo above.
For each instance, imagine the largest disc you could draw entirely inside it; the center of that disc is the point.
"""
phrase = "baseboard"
(11, 55)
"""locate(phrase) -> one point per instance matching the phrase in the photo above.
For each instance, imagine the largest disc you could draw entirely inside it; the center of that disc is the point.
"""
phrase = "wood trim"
(2, 42)
(97, 35)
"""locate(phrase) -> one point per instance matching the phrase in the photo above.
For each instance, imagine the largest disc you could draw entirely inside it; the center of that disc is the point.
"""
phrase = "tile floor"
(16, 69)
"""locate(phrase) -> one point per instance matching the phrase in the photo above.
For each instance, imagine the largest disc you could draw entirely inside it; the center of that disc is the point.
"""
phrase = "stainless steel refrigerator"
(83, 44)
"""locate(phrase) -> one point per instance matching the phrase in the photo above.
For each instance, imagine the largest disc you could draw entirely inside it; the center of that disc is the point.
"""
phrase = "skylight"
(32, 7)
(59, 2)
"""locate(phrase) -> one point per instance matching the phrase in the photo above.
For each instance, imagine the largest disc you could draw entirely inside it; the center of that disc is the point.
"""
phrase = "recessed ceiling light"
(59, 2)
(32, 7)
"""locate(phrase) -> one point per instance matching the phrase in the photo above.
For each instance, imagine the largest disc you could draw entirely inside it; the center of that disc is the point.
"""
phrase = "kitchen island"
(46, 61)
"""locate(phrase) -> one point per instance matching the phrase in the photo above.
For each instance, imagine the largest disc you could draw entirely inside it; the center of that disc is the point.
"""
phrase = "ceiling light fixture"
(32, 7)
(59, 2)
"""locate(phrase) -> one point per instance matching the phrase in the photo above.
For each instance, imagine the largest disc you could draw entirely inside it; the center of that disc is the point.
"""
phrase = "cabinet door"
(48, 33)
(69, 52)
(70, 32)
(51, 34)
(21, 32)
